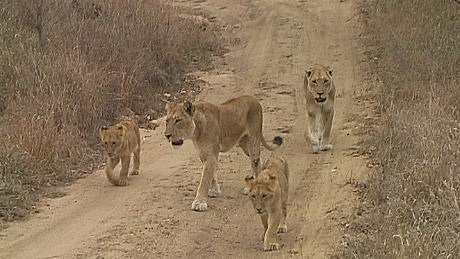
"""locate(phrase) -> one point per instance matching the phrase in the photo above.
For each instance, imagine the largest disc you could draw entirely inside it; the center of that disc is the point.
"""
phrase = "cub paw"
(198, 205)
(123, 182)
(135, 172)
(326, 147)
(214, 192)
(282, 228)
(271, 247)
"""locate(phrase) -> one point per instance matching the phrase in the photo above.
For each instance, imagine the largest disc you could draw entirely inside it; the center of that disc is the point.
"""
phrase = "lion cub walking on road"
(319, 96)
(269, 195)
(120, 141)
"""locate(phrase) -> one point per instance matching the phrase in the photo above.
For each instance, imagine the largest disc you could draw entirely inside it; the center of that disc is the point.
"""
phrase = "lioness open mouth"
(320, 99)
(177, 142)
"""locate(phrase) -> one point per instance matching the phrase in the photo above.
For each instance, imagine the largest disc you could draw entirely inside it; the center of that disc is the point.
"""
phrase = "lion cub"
(269, 194)
(120, 140)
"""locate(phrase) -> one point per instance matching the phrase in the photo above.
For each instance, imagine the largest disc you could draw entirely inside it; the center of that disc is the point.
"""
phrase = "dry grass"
(69, 67)
(412, 200)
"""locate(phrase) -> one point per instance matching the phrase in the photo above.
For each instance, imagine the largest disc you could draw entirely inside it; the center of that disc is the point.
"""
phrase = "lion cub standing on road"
(319, 96)
(214, 129)
(269, 194)
(120, 141)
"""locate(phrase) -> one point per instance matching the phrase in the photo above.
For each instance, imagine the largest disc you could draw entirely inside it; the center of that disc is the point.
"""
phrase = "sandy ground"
(151, 217)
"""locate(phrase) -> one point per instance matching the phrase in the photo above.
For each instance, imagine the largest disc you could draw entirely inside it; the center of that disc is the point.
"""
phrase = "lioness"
(269, 194)
(120, 140)
(217, 128)
(319, 96)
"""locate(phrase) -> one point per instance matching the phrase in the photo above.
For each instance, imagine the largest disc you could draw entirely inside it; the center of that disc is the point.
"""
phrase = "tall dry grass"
(413, 198)
(69, 67)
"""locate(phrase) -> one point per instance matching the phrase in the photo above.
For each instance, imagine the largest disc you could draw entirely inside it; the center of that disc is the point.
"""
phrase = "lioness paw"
(215, 192)
(271, 247)
(282, 228)
(135, 172)
(326, 147)
(198, 205)
(123, 182)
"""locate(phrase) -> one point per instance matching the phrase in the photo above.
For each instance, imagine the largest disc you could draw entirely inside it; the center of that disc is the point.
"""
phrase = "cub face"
(261, 191)
(319, 82)
(179, 122)
(112, 139)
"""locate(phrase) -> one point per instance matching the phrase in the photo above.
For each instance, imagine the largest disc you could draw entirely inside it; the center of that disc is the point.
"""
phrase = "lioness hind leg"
(244, 145)
(215, 188)
(137, 161)
(254, 154)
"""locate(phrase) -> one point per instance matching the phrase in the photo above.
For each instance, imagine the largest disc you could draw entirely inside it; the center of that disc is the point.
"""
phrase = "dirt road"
(151, 217)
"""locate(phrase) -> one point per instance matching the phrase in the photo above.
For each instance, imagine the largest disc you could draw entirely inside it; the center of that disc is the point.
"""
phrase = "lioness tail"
(277, 141)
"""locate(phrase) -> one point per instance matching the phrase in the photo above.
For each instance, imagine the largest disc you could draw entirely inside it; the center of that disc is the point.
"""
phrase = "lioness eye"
(314, 81)
(105, 143)
(253, 196)
(264, 196)
(113, 142)
(177, 121)
(326, 81)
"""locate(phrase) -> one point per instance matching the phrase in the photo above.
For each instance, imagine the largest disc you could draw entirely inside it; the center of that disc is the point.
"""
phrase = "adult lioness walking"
(217, 128)
(319, 95)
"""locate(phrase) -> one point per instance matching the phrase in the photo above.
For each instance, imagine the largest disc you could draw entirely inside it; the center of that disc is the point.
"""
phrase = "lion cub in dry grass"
(120, 141)
(269, 194)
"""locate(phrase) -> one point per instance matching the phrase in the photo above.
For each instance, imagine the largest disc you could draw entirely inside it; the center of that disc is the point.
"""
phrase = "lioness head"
(112, 139)
(262, 190)
(318, 81)
(179, 122)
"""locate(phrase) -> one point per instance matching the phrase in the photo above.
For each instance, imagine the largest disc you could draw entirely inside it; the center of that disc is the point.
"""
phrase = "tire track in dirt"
(152, 217)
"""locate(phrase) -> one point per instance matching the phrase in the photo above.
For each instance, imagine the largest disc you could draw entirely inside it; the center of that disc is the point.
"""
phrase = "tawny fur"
(120, 141)
(214, 129)
(269, 195)
(319, 95)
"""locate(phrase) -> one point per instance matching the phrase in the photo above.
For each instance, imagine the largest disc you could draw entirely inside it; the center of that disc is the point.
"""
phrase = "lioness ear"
(329, 71)
(249, 178)
(308, 73)
(189, 108)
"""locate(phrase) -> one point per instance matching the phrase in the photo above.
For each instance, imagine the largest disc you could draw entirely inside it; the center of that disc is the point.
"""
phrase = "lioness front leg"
(271, 238)
(329, 116)
(313, 134)
(125, 160)
(210, 165)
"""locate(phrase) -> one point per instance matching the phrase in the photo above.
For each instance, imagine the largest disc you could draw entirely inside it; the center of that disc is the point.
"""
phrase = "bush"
(71, 66)
(415, 195)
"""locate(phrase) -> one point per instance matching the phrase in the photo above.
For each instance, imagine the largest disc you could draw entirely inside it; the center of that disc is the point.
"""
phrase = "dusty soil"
(152, 218)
